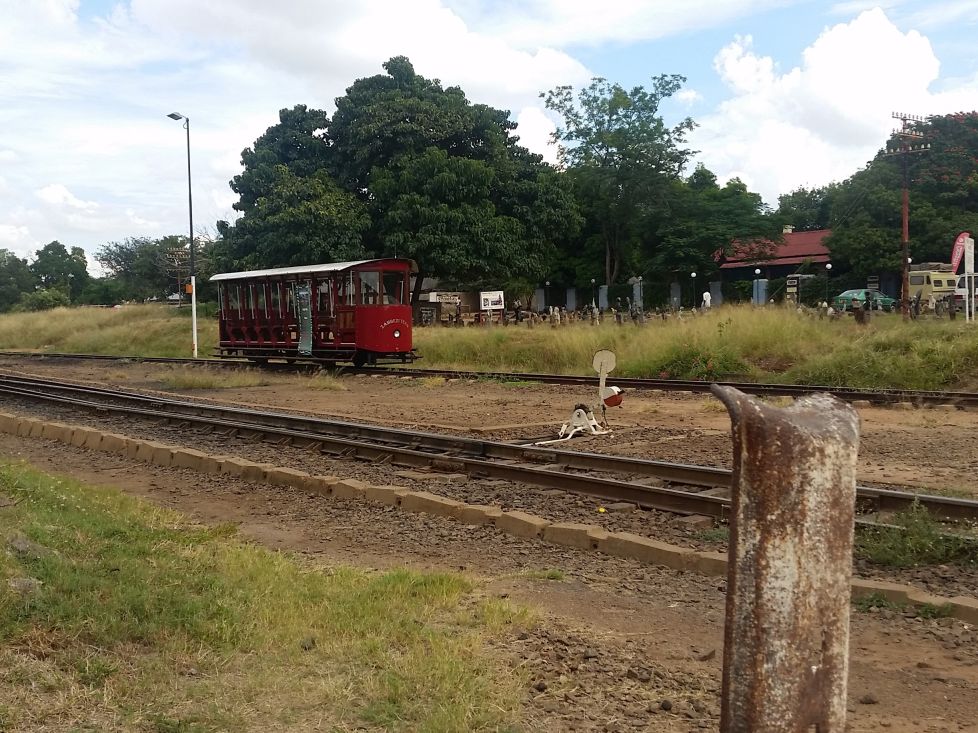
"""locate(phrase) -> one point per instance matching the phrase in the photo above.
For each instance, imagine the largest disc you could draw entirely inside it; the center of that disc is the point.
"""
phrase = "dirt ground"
(921, 448)
(619, 646)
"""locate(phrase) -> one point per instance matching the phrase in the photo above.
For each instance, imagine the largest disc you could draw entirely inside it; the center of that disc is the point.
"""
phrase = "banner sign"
(969, 256)
(491, 300)
(958, 250)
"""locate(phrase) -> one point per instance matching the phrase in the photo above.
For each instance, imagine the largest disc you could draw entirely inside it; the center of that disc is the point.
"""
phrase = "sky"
(785, 93)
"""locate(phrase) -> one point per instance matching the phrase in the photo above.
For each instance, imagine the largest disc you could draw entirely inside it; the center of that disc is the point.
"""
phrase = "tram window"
(290, 298)
(393, 288)
(916, 279)
(251, 298)
(220, 298)
(938, 283)
(262, 305)
(276, 301)
(370, 288)
(234, 298)
(325, 304)
(347, 292)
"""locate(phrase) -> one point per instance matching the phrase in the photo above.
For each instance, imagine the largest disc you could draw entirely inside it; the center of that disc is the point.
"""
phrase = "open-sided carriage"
(356, 312)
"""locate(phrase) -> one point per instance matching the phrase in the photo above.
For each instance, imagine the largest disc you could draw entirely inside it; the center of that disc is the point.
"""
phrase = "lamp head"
(175, 116)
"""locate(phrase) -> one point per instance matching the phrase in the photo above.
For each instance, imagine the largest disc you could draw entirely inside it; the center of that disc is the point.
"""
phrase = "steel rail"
(548, 467)
(885, 396)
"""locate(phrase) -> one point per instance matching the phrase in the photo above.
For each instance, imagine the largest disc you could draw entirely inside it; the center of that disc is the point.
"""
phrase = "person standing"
(707, 299)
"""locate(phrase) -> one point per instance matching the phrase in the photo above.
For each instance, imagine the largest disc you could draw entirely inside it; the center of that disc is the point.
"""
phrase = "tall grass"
(137, 330)
(732, 342)
(738, 342)
(143, 621)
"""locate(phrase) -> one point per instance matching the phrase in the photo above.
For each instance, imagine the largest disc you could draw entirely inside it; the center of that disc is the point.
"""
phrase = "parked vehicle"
(356, 312)
(961, 291)
(843, 301)
(931, 279)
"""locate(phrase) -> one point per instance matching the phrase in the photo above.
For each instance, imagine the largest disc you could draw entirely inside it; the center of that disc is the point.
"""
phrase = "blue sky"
(785, 92)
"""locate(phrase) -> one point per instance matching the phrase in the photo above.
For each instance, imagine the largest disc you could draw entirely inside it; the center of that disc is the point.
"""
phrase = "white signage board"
(969, 279)
(491, 300)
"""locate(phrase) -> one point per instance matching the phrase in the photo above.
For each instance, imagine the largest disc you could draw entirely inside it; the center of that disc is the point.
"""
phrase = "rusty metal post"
(786, 641)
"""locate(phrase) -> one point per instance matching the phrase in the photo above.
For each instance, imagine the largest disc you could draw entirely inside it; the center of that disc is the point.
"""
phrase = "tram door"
(346, 301)
(303, 294)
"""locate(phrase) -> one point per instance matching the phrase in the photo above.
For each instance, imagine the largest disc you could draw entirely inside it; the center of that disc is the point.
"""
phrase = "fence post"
(786, 640)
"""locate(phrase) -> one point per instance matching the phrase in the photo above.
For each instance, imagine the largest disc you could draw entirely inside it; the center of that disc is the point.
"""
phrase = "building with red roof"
(799, 252)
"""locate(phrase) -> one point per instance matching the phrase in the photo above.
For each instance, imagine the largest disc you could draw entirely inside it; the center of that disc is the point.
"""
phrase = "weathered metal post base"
(787, 619)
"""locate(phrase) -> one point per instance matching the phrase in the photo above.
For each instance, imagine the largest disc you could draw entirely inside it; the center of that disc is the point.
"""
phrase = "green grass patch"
(193, 377)
(867, 603)
(915, 539)
(715, 535)
(144, 621)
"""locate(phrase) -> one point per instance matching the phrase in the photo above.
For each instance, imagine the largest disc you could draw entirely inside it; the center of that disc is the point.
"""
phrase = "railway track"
(670, 487)
(850, 394)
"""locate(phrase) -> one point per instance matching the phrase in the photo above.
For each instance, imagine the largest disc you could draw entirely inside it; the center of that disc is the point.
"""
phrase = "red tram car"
(356, 312)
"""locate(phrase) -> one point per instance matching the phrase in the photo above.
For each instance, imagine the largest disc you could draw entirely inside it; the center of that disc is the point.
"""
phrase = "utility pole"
(909, 140)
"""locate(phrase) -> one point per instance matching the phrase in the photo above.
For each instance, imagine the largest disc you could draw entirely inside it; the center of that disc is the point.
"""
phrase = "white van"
(962, 290)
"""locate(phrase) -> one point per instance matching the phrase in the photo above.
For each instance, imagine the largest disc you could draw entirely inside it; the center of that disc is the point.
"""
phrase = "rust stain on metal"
(786, 641)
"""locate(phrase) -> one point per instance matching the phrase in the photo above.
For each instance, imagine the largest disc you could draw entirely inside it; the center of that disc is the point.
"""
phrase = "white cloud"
(83, 102)
(59, 195)
(17, 239)
(535, 130)
(564, 22)
(822, 120)
(88, 155)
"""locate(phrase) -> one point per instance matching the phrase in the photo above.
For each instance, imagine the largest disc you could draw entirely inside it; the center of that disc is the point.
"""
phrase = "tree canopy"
(943, 184)
(404, 167)
(55, 267)
(622, 158)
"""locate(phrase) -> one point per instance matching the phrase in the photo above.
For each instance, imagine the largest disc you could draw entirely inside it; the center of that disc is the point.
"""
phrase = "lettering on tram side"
(393, 321)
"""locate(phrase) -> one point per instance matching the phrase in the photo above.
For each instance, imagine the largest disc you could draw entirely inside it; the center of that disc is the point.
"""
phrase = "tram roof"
(305, 269)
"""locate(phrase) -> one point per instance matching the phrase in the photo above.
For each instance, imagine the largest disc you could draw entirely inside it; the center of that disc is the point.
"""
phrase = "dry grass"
(737, 342)
(144, 621)
(323, 382)
(195, 377)
(137, 330)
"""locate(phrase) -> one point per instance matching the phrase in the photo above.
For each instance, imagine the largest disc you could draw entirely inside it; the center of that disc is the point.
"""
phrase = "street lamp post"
(828, 271)
(546, 294)
(193, 259)
(755, 296)
(692, 286)
(594, 295)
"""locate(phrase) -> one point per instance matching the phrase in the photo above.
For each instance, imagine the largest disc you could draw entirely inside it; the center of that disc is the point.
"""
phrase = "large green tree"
(622, 158)
(16, 279)
(299, 220)
(143, 267)
(404, 167)
(807, 209)
(943, 188)
(297, 142)
(705, 218)
(55, 267)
